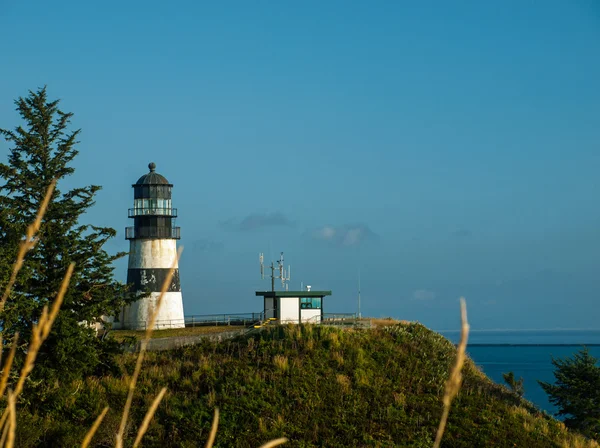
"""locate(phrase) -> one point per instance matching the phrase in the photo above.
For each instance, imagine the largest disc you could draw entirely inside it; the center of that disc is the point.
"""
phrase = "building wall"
(270, 312)
(288, 309)
(152, 253)
(137, 315)
(149, 264)
(310, 316)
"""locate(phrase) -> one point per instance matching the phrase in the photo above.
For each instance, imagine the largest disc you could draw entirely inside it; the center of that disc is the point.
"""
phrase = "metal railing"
(200, 320)
(197, 320)
(164, 324)
(153, 232)
(338, 317)
(247, 320)
(152, 211)
(335, 319)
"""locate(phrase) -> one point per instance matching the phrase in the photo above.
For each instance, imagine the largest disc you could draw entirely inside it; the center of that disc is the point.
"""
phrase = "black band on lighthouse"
(152, 279)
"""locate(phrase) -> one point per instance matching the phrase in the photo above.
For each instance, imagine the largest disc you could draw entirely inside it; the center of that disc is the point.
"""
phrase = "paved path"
(173, 342)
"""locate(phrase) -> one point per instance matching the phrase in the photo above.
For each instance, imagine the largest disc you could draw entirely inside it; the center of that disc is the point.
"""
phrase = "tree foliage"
(40, 150)
(516, 385)
(576, 392)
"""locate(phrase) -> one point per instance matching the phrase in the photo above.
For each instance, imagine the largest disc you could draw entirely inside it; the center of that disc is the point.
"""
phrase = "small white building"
(293, 307)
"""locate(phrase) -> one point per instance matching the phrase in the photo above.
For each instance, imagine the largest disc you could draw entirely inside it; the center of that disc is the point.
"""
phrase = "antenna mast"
(359, 316)
(283, 274)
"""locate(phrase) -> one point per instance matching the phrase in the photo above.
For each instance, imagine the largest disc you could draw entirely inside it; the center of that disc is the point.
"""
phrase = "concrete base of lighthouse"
(137, 315)
(149, 263)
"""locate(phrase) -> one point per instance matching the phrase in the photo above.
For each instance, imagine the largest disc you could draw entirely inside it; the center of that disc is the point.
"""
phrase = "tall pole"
(359, 316)
(272, 276)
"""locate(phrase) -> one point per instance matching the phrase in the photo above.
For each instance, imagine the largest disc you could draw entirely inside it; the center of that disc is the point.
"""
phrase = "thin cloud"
(256, 221)
(462, 233)
(343, 236)
(207, 245)
(423, 295)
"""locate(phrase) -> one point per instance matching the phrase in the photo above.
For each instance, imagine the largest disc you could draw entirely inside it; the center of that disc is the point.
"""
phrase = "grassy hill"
(122, 335)
(316, 385)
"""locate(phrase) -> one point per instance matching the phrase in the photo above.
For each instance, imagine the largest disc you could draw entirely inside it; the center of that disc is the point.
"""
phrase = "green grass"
(120, 335)
(316, 385)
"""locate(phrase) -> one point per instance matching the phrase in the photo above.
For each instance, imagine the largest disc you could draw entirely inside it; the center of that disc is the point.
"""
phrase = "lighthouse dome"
(152, 178)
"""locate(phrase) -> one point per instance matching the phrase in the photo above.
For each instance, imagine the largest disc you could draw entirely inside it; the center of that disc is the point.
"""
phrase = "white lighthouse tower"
(152, 252)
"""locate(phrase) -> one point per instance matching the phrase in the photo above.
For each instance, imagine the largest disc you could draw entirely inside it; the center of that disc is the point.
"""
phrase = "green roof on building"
(285, 294)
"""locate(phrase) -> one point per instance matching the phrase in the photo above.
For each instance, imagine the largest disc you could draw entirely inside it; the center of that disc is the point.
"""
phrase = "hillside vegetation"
(122, 335)
(316, 385)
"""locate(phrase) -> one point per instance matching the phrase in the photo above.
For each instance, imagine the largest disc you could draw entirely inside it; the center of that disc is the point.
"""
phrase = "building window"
(310, 303)
(152, 207)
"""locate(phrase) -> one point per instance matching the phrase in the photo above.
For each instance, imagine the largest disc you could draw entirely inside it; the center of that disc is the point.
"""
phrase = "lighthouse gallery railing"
(153, 232)
(152, 211)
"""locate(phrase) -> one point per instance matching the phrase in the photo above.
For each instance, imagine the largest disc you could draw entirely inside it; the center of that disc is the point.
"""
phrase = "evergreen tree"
(515, 385)
(576, 392)
(41, 150)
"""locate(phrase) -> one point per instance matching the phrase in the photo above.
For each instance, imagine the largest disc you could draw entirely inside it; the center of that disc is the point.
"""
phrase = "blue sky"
(442, 148)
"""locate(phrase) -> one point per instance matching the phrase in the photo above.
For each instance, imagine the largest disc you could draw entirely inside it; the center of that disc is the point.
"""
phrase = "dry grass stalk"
(213, 430)
(12, 410)
(4, 435)
(8, 365)
(148, 417)
(41, 331)
(9, 428)
(454, 382)
(93, 429)
(275, 442)
(344, 382)
(143, 345)
(213, 435)
(281, 362)
(28, 243)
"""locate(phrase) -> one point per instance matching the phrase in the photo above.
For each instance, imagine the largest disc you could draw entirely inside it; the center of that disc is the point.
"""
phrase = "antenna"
(281, 271)
(283, 274)
(261, 258)
(359, 316)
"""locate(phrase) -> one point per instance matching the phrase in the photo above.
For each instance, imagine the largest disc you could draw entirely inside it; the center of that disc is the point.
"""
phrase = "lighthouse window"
(152, 207)
(310, 303)
(164, 206)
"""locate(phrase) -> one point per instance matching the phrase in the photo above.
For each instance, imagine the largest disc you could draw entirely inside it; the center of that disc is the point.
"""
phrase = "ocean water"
(527, 353)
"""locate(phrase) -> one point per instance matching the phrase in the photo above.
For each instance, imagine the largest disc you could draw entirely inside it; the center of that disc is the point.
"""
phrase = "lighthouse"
(152, 252)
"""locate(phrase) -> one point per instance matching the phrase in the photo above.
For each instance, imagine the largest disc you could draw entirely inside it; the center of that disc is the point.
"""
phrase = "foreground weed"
(454, 382)
(140, 358)
(40, 331)
(28, 243)
(94, 428)
(148, 417)
(281, 362)
(213, 435)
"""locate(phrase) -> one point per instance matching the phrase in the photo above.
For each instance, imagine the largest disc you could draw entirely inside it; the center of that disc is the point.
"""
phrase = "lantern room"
(154, 216)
